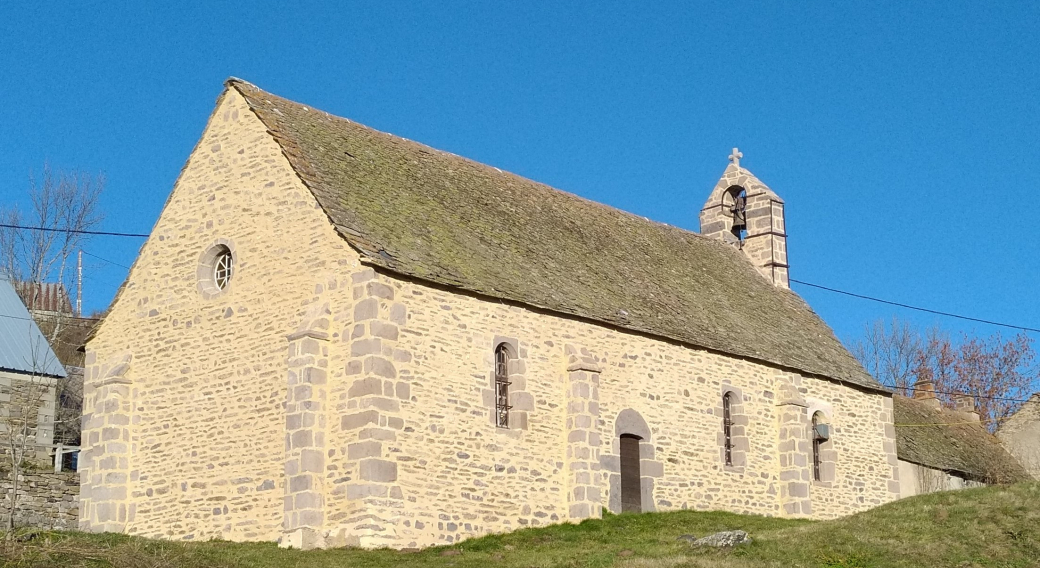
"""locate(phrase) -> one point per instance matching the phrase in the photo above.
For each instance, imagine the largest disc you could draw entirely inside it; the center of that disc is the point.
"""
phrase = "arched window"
(820, 434)
(502, 407)
(727, 426)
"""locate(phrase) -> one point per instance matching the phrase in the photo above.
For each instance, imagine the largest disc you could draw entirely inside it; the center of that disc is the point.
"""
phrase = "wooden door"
(631, 495)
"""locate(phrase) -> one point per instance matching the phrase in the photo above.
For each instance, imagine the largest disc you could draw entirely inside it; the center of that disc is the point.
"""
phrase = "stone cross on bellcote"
(735, 157)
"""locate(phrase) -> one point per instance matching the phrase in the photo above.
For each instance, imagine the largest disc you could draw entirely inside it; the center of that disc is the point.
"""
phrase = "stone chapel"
(335, 336)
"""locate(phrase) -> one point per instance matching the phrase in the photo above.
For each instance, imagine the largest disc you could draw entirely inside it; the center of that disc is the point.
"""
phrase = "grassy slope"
(993, 527)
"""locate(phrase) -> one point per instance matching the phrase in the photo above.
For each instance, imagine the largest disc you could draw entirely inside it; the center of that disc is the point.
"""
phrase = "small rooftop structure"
(45, 297)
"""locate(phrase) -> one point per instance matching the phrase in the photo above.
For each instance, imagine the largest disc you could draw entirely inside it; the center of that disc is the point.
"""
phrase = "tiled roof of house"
(44, 297)
(23, 348)
(951, 441)
(441, 218)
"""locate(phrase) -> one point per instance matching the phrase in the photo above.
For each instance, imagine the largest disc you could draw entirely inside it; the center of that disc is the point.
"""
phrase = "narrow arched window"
(819, 436)
(502, 386)
(727, 426)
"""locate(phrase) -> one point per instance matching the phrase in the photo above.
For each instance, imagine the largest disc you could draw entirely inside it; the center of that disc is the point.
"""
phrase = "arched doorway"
(632, 465)
(631, 493)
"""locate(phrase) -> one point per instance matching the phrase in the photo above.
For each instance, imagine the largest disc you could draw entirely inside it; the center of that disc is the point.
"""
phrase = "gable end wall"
(188, 441)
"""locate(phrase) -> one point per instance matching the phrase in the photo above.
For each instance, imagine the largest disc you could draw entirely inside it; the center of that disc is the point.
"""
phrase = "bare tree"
(998, 372)
(61, 206)
(891, 353)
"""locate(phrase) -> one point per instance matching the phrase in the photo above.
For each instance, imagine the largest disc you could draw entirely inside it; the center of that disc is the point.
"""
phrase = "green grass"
(995, 527)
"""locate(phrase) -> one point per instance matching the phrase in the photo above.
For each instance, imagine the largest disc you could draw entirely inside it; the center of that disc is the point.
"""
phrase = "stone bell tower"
(744, 212)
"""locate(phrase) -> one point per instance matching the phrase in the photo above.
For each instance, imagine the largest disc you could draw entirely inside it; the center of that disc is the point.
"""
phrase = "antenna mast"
(79, 284)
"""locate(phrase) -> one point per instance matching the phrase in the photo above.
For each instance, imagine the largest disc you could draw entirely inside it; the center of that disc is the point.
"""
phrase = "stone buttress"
(105, 466)
(370, 411)
(305, 438)
(584, 477)
(795, 448)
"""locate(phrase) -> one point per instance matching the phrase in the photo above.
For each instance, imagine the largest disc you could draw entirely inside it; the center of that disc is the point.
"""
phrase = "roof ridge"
(234, 81)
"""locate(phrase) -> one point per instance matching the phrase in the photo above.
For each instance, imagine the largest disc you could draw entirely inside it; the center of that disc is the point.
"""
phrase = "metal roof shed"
(23, 348)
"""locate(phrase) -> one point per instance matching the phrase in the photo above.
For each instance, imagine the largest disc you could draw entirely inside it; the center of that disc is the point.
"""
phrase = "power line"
(952, 393)
(802, 282)
(53, 230)
(908, 306)
(31, 319)
(106, 260)
(102, 282)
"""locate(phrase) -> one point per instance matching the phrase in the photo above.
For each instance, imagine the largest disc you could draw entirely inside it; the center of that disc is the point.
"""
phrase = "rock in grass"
(689, 538)
(724, 539)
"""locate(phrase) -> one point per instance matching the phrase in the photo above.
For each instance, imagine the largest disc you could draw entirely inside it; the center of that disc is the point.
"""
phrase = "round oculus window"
(216, 269)
(223, 269)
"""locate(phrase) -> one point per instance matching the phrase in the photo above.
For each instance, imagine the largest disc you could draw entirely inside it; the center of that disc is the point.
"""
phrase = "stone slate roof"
(954, 444)
(441, 218)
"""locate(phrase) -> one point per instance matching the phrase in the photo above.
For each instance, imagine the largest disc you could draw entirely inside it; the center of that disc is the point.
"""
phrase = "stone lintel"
(312, 333)
(583, 364)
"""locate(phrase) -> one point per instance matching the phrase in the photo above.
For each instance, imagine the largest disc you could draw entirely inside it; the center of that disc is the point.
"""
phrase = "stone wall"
(461, 477)
(45, 500)
(916, 479)
(318, 402)
(31, 397)
(1020, 435)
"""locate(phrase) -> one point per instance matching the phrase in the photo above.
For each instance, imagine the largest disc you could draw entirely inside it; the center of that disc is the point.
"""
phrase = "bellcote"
(745, 213)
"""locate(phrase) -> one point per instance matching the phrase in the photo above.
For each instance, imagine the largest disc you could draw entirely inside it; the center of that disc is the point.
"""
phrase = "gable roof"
(23, 348)
(441, 218)
(950, 441)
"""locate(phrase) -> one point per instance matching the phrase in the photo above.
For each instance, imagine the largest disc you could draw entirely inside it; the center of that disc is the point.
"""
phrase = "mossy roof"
(441, 218)
(951, 441)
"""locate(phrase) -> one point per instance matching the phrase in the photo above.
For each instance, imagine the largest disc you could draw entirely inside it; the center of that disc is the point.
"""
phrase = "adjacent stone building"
(335, 336)
(1020, 435)
(947, 448)
(29, 373)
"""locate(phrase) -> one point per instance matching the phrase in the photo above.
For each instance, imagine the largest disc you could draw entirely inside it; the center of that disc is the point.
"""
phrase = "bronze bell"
(739, 217)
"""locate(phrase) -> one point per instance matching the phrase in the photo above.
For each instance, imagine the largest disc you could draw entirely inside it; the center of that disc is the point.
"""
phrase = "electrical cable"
(105, 260)
(908, 306)
(53, 230)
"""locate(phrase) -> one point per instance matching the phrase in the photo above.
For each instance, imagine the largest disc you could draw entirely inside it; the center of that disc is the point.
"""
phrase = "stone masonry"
(369, 501)
(306, 403)
(584, 492)
(105, 461)
(794, 446)
(317, 401)
(765, 243)
(45, 499)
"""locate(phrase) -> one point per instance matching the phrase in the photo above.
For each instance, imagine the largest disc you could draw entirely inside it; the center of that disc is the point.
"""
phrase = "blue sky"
(903, 136)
